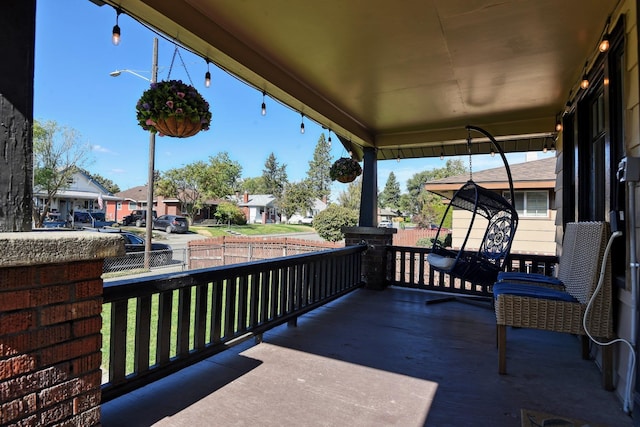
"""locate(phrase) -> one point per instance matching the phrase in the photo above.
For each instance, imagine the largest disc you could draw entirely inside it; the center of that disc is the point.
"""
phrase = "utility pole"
(151, 176)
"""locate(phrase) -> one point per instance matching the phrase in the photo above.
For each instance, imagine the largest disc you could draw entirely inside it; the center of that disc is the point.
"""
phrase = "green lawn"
(250, 229)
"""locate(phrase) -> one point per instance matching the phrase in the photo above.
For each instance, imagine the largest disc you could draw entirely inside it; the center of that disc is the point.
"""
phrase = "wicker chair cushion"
(533, 291)
(507, 276)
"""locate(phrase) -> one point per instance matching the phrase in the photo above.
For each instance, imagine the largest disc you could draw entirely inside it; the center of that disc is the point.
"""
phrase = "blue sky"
(74, 56)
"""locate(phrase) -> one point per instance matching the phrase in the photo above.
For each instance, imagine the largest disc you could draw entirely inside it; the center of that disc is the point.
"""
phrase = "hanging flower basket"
(173, 108)
(345, 170)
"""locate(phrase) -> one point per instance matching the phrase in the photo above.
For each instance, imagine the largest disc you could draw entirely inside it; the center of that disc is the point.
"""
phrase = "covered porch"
(379, 358)
(369, 357)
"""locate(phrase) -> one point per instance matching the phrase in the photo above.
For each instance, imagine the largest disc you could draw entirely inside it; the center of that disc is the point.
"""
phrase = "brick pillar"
(50, 321)
(374, 260)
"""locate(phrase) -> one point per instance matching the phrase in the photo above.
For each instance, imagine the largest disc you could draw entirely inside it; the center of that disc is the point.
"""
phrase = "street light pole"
(150, 178)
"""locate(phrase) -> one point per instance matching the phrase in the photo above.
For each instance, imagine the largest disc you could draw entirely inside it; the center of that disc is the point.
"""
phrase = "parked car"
(90, 219)
(171, 224)
(134, 246)
(138, 217)
(308, 220)
(385, 223)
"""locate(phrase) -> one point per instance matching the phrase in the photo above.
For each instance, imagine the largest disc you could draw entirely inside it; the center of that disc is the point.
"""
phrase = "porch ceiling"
(403, 79)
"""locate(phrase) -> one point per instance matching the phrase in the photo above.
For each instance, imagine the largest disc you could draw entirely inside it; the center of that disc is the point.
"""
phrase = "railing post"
(374, 259)
(50, 342)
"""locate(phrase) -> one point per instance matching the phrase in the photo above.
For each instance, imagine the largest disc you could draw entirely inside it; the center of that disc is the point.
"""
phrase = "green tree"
(429, 207)
(58, 153)
(223, 176)
(274, 176)
(318, 173)
(185, 184)
(230, 213)
(415, 185)
(197, 182)
(390, 196)
(253, 185)
(405, 203)
(297, 198)
(350, 198)
(328, 223)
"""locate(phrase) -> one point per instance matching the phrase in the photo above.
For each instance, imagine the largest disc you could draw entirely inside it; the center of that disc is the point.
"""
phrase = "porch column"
(50, 322)
(369, 195)
(17, 44)
(374, 260)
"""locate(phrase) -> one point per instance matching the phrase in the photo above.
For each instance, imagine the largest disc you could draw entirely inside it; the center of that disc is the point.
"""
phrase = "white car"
(308, 220)
(385, 223)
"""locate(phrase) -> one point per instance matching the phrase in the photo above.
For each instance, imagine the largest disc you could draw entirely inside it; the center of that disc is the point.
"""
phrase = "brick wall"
(374, 260)
(50, 321)
(50, 343)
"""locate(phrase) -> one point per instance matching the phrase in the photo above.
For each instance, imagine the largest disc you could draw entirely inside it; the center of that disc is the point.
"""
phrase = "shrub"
(328, 223)
(230, 213)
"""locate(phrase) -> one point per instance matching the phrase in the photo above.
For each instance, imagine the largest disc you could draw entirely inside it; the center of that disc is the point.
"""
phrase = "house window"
(133, 205)
(531, 204)
(118, 206)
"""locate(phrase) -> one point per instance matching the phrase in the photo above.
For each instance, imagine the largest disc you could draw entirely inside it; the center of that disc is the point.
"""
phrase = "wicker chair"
(559, 305)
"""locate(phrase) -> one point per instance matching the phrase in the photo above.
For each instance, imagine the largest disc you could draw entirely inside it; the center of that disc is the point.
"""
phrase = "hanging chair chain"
(177, 51)
(469, 151)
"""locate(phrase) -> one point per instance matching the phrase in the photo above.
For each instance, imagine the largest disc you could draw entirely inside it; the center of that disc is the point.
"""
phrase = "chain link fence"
(133, 262)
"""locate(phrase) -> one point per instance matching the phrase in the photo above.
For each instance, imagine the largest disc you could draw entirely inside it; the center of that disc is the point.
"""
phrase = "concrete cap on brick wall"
(44, 247)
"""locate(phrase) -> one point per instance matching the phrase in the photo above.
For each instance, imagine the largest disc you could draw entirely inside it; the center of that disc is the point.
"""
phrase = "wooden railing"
(408, 267)
(157, 325)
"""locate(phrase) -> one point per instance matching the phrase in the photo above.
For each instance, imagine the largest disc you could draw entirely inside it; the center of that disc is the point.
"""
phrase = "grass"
(173, 347)
(251, 229)
(131, 322)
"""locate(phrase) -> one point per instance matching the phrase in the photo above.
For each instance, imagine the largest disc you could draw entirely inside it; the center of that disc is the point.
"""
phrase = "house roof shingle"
(531, 174)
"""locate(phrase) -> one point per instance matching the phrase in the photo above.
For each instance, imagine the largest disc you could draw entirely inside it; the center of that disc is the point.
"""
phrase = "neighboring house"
(534, 183)
(318, 206)
(136, 198)
(259, 208)
(304, 217)
(82, 193)
(385, 214)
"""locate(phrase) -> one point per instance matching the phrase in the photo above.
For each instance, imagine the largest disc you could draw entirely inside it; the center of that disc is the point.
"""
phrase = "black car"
(161, 253)
(137, 217)
(171, 224)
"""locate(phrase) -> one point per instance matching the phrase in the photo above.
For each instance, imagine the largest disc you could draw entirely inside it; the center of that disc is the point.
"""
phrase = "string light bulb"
(604, 42)
(302, 123)
(263, 109)
(442, 154)
(329, 140)
(115, 34)
(492, 152)
(545, 148)
(584, 84)
(207, 76)
(558, 124)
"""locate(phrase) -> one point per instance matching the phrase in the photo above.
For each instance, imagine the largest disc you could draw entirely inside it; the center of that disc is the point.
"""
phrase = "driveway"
(175, 240)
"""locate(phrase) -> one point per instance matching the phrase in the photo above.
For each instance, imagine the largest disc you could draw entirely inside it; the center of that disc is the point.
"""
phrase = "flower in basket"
(345, 169)
(173, 108)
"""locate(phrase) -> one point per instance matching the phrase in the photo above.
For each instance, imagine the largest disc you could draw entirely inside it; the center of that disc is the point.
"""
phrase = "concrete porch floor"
(379, 358)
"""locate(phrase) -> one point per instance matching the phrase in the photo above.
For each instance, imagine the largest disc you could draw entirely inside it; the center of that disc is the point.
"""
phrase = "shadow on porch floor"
(376, 358)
